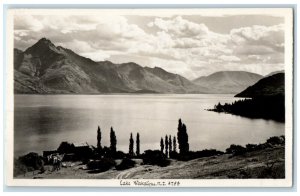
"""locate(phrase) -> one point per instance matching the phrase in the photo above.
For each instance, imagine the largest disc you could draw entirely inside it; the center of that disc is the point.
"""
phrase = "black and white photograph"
(150, 97)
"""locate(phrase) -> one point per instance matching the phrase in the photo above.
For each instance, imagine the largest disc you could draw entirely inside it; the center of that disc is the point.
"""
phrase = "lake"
(42, 122)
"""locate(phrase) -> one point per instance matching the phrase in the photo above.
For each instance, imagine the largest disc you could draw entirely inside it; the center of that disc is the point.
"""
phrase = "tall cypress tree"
(162, 145)
(170, 144)
(113, 141)
(179, 136)
(137, 144)
(166, 146)
(99, 138)
(182, 138)
(131, 143)
(174, 144)
(185, 139)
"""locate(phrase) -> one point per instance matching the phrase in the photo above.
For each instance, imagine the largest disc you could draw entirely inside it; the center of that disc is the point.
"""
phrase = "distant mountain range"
(272, 85)
(45, 68)
(228, 81)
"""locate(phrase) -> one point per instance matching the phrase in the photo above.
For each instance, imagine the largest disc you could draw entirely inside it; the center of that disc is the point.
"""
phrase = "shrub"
(125, 164)
(32, 160)
(155, 157)
(251, 147)
(119, 155)
(276, 140)
(236, 150)
(174, 155)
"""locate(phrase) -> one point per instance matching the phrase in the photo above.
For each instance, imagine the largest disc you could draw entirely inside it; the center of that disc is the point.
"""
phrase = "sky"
(189, 45)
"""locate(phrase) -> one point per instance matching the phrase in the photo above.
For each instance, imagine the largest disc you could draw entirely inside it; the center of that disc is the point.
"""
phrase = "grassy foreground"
(265, 163)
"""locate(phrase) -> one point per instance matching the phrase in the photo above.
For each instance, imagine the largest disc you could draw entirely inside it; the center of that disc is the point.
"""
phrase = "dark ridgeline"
(99, 139)
(266, 99)
(131, 144)
(182, 138)
(162, 146)
(113, 141)
(137, 144)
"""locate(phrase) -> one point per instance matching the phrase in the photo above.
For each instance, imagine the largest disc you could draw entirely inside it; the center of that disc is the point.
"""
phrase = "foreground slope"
(265, 163)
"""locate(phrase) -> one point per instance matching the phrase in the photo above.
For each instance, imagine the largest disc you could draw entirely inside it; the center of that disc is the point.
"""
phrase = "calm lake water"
(42, 122)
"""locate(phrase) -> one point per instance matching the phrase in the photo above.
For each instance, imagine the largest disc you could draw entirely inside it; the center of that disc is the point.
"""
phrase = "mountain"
(228, 81)
(46, 68)
(269, 86)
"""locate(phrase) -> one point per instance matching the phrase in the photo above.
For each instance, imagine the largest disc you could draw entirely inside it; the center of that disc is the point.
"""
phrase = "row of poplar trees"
(131, 145)
(113, 142)
(170, 146)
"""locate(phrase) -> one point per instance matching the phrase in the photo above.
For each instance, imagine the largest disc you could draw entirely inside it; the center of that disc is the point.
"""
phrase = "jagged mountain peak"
(42, 46)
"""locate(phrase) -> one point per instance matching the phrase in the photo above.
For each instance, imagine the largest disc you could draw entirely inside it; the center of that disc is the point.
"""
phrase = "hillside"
(228, 81)
(46, 68)
(269, 86)
(265, 163)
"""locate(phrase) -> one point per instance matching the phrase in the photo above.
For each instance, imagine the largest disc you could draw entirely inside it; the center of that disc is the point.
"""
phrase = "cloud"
(180, 27)
(177, 44)
(229, 58)
(272, 36)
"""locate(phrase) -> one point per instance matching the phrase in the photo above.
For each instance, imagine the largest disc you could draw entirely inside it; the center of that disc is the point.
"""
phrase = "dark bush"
(276, 140)
(125, 164)
(32, 160)
(20, 168)
(236, 150)
(101, 165)
(155, 157)
(251, 147)
(119, 155)
(174, 155)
